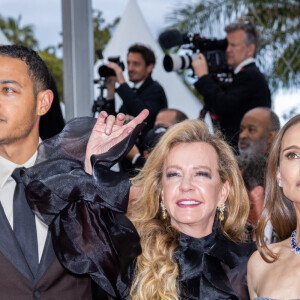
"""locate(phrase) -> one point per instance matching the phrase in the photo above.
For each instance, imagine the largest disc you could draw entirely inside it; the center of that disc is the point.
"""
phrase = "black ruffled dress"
(91, 235)
(213, 267)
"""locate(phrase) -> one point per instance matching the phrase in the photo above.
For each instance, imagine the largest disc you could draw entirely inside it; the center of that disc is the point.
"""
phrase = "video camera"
(101, 103)
(212, 49)
(105, 71)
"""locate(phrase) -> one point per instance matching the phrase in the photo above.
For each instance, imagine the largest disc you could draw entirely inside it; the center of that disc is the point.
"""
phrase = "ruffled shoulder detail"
(85, 213)
(213, 267)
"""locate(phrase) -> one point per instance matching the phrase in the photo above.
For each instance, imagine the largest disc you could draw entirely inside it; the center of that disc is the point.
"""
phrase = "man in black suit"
(29, 268)
(248, 89)
(146, 93)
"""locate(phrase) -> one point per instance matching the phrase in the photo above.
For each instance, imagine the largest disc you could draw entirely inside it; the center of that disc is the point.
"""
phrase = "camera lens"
(174, 62)
(105, 71)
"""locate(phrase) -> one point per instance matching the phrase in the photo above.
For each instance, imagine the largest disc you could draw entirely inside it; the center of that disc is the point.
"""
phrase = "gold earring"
(163, 210)
(42, 111)
(221, 212)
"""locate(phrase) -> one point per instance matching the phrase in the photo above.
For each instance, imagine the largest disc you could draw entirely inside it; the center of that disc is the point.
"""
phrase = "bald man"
(258, 128)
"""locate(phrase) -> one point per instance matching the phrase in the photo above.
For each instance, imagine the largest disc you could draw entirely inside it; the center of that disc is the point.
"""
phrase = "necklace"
(293, 243)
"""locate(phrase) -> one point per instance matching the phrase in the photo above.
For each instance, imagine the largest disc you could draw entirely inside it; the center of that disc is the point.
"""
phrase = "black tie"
(24, 225)
(134, 89)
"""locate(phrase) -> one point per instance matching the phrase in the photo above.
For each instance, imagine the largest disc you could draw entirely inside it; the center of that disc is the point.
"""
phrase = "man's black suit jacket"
(150, 95)
(248, 89)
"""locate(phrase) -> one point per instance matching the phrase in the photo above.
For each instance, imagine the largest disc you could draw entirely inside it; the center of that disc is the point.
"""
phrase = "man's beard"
(255, 148)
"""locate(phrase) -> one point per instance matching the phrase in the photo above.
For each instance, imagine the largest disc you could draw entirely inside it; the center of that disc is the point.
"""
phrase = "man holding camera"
(146, 93)
(248, 88)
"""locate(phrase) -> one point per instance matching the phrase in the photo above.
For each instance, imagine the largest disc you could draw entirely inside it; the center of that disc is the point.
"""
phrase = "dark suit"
(248, 90)
(52, 280)
(150, 95)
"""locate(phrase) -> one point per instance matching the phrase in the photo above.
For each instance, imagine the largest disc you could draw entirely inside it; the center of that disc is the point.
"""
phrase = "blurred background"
(38, 24)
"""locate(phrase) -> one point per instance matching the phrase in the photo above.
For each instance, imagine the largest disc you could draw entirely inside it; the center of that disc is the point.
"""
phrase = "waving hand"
(109, 131)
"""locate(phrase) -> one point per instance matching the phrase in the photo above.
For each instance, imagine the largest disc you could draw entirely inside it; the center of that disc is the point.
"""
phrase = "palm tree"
(102, 31)
(277, 20)
(16, 34)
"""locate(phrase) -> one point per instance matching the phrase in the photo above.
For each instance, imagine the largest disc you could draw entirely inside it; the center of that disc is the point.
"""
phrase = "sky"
(45, 16)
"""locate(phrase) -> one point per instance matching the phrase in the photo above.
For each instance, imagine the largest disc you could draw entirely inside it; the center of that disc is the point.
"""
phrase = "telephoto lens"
(175, 62)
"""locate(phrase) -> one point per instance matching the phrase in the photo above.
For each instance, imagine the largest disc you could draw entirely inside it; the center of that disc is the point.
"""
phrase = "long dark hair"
(277, 207)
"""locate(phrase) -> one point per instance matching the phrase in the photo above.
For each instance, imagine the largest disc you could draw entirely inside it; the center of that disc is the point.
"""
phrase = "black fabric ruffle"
(213, 267)
(85, 213)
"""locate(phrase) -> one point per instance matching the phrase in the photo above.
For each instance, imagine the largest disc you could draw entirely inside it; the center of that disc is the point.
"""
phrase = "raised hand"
(200, 66)
(109, 131)
(119, 72)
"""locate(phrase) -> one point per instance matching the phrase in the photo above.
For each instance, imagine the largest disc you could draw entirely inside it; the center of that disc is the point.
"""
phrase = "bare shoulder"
(254, 261)
(255, 267)
(252, 274)
(257, 270)
(257, 263)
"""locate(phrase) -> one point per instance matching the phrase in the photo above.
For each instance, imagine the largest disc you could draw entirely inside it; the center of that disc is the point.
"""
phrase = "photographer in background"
(146, 93)
(248, 88)
(258, 128)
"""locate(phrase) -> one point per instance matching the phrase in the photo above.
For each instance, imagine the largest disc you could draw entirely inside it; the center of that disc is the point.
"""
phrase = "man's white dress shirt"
(7, 188)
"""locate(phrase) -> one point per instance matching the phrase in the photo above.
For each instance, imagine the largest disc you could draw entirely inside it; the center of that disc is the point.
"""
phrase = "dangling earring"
(221, 212)
(163, 210)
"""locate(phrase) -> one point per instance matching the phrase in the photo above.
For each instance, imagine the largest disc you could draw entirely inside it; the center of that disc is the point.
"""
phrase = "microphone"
(171, 38)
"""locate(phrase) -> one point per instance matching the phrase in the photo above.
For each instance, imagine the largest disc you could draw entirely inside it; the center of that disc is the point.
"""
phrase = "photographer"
(146, 93)
(248, 88)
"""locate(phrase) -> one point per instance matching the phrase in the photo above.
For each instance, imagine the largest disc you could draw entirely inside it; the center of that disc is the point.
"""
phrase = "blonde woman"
(274, 270)
(190, 216)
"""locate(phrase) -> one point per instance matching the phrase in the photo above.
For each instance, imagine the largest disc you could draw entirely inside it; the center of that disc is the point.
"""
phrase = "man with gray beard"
(258, 128)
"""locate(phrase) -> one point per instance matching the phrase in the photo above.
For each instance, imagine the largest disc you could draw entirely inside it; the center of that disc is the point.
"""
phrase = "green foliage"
(277, 21)
(55, 65)
(102, 31)
(16, 34)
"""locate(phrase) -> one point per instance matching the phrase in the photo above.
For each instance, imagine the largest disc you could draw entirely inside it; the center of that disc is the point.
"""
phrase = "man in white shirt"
(24, 97)
(146, 93)
(248, 89)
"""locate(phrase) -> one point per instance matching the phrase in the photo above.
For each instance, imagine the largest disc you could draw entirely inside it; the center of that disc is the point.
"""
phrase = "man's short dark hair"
(147, 53)
(179, 115)
(251, 37)
(37, 68)
(253, 170)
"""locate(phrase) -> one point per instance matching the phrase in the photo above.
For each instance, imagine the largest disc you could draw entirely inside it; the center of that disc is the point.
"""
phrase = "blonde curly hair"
(156, 271)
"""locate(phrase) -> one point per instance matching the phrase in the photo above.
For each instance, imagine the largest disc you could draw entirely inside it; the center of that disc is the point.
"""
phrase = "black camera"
(105, 71)
(101, 103)
(212, 49)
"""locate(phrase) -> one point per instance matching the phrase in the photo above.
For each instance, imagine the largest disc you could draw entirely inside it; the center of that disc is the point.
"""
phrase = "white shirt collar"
(244, 63)
(139, 84)
(7, 167)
